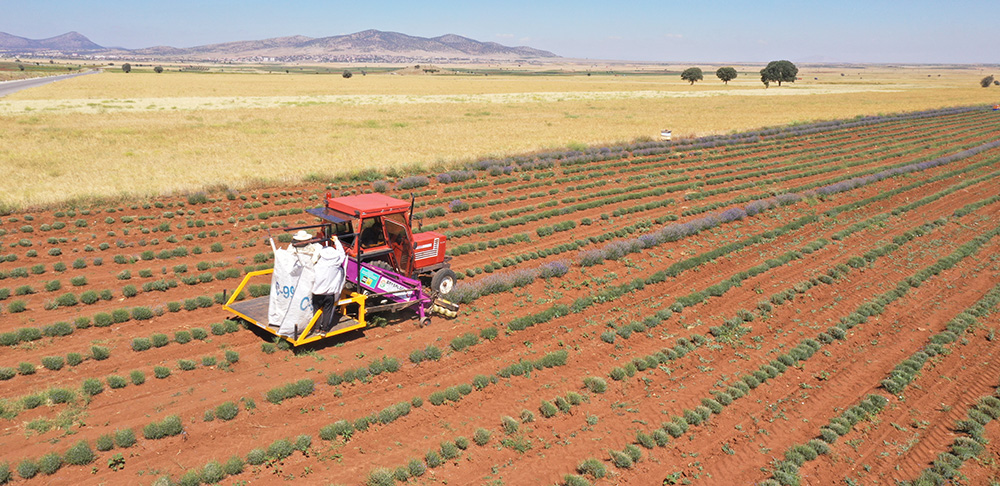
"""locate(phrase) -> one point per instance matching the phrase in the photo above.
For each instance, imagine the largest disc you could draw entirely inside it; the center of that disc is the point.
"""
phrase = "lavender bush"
(412, 182)
(455, 176)
(496, 283)
(557, 268)
(457, 206)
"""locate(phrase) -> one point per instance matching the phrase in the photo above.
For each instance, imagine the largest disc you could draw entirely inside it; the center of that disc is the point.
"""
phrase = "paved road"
(9, 87)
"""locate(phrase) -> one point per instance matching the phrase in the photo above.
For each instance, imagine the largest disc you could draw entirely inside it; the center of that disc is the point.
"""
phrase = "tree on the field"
(127, 67)
(780, 71)
(987, 81)
(347, 74)
(692, 74)
(158, 69)
(726, 74)
(20, 67)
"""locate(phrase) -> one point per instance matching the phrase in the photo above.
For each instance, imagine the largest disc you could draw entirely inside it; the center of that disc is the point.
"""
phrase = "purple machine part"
(394, 287)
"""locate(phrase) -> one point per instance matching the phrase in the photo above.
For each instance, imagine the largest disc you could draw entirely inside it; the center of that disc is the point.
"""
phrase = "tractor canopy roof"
(367, 204)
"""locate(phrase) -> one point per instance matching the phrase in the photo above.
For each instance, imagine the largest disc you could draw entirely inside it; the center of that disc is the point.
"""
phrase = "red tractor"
(386, 269)
(375, 229)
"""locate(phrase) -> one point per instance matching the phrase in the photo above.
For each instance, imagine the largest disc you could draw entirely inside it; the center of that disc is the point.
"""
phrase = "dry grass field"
(138, 134)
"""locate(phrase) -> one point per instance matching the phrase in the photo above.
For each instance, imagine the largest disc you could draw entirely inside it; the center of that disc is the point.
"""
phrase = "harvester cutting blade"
(446, 304)
(445, 308)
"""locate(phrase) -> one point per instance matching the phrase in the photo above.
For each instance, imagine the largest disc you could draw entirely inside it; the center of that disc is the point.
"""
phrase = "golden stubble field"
(141, 134)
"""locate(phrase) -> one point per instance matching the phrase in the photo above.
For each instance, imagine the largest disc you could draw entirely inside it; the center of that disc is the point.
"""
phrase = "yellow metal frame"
(342, 304)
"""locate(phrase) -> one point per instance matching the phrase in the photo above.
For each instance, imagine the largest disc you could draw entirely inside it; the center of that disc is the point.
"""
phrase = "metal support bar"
(393, 292)
(299, 244)
(392, 307)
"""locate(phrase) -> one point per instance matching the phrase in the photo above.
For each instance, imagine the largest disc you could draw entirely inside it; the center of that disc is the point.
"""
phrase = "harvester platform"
(255, 312)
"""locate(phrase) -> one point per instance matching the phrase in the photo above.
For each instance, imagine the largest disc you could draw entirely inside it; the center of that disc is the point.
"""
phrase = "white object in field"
(290, 303)
(665, 135)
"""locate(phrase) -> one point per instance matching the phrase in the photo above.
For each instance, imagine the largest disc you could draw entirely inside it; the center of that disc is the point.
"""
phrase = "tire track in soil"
(779, 390)
(957, 300)
(941, 395)
(841, 388)
(814, 358)
(697, 396)
(959, 394)
(987, 467)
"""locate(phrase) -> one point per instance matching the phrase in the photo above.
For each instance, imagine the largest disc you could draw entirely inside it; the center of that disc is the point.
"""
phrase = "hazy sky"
(904, 31)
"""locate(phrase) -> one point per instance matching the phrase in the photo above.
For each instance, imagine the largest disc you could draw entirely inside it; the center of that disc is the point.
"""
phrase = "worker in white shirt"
(307, 253)
(330, 265)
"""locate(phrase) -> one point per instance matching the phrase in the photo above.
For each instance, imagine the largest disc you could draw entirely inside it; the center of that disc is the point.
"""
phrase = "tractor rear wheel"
(443, 281)
(384, 265)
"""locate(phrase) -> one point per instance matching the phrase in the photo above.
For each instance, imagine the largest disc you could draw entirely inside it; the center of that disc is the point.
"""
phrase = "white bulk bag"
(290, 306)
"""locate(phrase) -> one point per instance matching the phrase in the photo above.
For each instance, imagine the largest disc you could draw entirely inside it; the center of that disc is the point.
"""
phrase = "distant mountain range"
(70, 42)
(365, 46)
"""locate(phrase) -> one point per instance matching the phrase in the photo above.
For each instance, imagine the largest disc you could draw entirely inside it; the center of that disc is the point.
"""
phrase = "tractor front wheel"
(443, 281)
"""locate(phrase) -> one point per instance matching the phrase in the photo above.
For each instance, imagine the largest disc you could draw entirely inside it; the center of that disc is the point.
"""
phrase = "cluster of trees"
(775, 71)
(693, 74)
(128, 68)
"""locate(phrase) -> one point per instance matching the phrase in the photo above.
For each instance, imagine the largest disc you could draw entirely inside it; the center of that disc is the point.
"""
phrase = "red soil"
(733, 447)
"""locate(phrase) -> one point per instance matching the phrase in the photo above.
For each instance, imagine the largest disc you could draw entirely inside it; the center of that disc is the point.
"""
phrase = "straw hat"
(302, 235)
